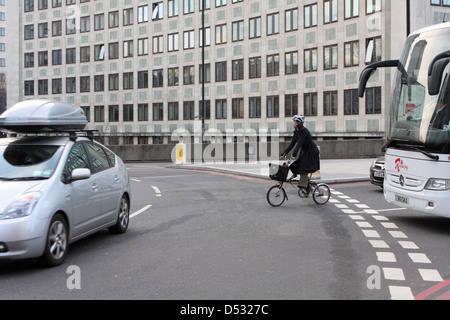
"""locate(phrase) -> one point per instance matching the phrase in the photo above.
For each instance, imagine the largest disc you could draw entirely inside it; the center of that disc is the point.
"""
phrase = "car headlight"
(438, 184)
(22, 206)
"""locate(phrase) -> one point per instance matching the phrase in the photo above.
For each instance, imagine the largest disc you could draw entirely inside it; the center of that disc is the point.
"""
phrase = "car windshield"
(418, 118)
(28, 162)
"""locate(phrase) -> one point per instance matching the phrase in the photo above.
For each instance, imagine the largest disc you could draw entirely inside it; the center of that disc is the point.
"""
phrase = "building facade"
(136, 67)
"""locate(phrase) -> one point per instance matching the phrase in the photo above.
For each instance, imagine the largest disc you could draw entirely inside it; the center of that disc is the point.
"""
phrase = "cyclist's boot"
(303, 192)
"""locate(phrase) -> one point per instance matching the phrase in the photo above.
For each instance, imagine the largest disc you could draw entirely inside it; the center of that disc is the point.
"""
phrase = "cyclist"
(308, 160)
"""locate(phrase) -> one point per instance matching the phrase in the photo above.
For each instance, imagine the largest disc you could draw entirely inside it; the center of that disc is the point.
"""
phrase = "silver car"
(57, 190)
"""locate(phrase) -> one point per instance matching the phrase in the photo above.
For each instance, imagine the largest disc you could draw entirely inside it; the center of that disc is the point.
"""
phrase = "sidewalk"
(331, 170)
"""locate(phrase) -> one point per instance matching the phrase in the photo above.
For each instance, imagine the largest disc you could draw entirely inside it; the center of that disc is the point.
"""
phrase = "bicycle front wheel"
(276, 196)
(321, 194)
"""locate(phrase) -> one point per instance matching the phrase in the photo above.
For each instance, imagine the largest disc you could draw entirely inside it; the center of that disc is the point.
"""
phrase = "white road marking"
(140, 211)
(136, 180)
(158, 192)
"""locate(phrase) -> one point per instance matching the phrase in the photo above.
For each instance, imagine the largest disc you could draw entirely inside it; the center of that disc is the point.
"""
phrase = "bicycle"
(276, 195)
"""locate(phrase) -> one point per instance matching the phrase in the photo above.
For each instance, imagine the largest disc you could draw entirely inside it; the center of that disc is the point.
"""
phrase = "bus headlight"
(438, 184)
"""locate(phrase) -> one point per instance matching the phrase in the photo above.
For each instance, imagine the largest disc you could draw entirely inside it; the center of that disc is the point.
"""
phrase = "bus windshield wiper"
(415, 148)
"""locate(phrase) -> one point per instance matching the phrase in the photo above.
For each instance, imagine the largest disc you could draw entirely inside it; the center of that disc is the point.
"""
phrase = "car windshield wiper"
(23, 178)
(412, 147)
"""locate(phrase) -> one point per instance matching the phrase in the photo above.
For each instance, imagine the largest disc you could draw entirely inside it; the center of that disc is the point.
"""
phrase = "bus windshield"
(417, 118)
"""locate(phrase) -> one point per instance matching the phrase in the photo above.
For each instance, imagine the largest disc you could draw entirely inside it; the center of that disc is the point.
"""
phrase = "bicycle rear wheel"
(321, 194)
(276, 196)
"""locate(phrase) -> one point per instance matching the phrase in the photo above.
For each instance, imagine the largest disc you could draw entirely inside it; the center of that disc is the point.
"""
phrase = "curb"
(252, 175)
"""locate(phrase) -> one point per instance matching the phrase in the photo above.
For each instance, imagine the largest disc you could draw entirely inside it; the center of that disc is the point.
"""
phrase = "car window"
(111, 156)
(77, 158)
(98, 157)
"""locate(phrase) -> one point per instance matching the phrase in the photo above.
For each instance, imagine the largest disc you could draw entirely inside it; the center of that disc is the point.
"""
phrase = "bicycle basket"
(278, 173)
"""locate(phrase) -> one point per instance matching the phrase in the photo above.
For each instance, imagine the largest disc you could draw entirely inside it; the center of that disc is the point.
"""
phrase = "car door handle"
(117, 178)
(95, 187)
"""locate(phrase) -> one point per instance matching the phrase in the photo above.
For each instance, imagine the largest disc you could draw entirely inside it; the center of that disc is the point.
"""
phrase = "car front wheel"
(123, 218)
(57, 242)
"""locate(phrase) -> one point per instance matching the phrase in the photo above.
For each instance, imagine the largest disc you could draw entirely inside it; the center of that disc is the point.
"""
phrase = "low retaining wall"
(341, 149)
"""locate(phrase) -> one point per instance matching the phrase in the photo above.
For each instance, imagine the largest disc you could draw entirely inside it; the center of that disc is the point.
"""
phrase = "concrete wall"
(340, 149)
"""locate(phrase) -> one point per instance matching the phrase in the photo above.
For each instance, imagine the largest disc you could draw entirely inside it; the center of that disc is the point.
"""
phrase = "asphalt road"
(205, 235)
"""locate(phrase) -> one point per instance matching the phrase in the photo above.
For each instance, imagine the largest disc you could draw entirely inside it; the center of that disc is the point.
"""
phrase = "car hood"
(9, 190)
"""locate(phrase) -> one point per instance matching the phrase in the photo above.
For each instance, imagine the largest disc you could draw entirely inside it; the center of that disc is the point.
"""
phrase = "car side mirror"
(436, 71)
(80, 174)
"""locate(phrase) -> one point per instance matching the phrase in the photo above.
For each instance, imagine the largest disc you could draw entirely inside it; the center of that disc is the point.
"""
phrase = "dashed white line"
(140, 211)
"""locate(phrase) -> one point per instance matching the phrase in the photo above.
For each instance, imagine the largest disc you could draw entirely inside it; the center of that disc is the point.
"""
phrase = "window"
(71, 85)
(43, 86)
(291, 20)
(127, 80)
(220, 3)
(351, 9)
(188, 75)
(71, 56)
(158, 113)
(255, 67)
(99, 21)
(113, 82)
(290, 105)
(373, 6)
(273, 107)
(128, 49)
(173, 8)
(71, 26)
(128, 112)
(142, 112)
(56, 28)
(43, 58)
(273, 65)
(188, 6)
(373, 100)
(373, 45)
(237, 69)
(143, 14)
(77, 158)
(85, 24)
(207, 73)
(330, 103)
(157, 78)
(99, 113)
(310, 15)
(221, 34)
(57, 57)
(87, 112)
(188, 110)
(113, 113)
(172, 76)
(330, 57)
(113, 19)
(221, 109)
(330, 11)
(237, 30)
(351, 102)
(29, 32)
(310, 57)
(291, 62)
(99, 52)
(172, 42)
(85, 55)
(207, 113)
(158, 44)
(254, 107)
(142, 47)
(113, 50)
(99, 83)
(99, 160)
(188, 39)
(310, 104)
(237, 111)
(128, 16)
(255, 27)
(43, 30)
(142, 79)
(172, 111)
(221, 71)
(207, 36)
(56, 86)
(29, 60)
(351, 52)
(273, 24)
(442, 3)
(157, 11)
(29, 87)
(28, 5)
(85, 84)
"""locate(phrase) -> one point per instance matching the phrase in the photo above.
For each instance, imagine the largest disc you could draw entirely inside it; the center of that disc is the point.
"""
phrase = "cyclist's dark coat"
(308, 160)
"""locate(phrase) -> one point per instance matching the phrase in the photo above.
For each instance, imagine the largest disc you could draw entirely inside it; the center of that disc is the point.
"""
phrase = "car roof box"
(40, 116)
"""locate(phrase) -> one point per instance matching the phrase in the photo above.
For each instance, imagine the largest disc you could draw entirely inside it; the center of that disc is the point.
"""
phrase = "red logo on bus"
(400, 165)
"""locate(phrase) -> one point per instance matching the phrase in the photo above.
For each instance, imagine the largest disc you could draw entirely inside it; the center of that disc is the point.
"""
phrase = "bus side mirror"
(436, 72)
(369, 70)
